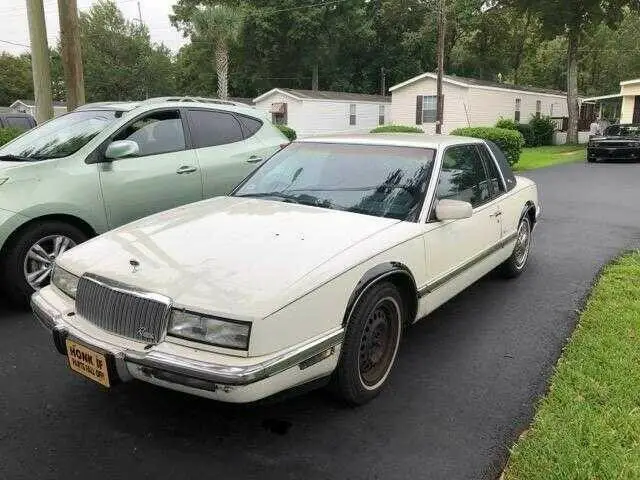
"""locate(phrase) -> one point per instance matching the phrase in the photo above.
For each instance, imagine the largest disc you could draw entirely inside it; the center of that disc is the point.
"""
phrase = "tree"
(15, 78)
(120, 62)
(221, 25)
(572, 18)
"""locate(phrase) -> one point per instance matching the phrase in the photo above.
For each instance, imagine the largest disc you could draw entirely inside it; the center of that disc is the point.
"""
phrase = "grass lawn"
(539, 157)
(588, 426)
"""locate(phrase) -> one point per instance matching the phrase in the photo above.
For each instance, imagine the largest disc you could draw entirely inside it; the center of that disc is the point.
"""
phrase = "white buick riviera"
(308, 273)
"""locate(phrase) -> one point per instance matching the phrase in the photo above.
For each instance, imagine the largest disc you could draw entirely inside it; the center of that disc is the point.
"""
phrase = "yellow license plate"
(85, 361)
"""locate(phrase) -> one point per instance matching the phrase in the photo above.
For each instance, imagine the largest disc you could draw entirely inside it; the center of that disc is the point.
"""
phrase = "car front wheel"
(519, 258)
(28, 260)
(371, 345)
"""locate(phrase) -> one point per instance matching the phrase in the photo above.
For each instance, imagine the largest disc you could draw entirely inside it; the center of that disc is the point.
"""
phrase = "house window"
(538, 108)
(518, 103)
(381, 115)
(429, 108)
(352, 114)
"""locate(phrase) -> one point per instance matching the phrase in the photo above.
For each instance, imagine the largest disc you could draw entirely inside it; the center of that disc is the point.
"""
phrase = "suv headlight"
(214, 331)
(65, 281)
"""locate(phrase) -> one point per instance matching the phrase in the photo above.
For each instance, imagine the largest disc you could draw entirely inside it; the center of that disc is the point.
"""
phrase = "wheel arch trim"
(375, 275)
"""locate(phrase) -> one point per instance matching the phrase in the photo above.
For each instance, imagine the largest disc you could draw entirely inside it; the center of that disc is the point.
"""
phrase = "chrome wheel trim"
(523, 245)
(40, 258)
(385, 319)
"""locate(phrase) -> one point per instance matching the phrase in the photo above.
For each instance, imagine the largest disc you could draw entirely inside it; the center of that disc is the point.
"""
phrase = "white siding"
(316, 117)
(464, 106)
(487, 106)
(403, 105)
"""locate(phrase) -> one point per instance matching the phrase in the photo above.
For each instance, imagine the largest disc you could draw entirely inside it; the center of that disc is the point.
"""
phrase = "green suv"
(107, 164)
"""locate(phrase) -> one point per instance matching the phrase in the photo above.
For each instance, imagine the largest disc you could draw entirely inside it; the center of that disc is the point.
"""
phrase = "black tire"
(378, 317)
(516, 264)
(12, 264)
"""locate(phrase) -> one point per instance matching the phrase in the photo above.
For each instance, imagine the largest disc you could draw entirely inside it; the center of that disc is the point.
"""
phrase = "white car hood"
(225, 256)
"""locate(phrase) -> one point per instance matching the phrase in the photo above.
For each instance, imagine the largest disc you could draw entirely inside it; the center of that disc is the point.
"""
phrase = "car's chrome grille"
(123, 310)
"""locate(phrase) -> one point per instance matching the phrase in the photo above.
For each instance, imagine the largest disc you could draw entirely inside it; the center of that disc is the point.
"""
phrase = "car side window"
(156, 133)
(463, 176)
(250, 125)
(210, 128)
(497, 187)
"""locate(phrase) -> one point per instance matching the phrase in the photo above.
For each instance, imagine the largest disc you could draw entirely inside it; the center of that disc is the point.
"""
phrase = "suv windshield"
(59, 137)
(383, 181)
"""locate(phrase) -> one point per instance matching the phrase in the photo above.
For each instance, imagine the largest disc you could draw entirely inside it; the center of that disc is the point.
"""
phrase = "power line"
(14, 43)
(308, 6)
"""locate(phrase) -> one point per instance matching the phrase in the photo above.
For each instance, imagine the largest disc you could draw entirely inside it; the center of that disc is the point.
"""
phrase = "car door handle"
(497, 214)
(186, 169)
(255, 159)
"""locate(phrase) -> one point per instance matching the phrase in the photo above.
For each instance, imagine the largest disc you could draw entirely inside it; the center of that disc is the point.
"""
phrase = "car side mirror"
(121, 149)
(453, 210)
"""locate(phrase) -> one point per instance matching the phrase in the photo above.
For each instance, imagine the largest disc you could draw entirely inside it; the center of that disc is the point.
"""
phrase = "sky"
(13, 18)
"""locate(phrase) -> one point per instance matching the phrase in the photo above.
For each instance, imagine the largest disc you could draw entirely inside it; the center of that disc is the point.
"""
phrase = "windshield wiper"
(16, 158)
(285, 197)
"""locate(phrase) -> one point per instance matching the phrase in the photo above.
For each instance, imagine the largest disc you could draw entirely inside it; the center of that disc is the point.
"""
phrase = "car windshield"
(59, 137)
(623, 131)
(383, 181)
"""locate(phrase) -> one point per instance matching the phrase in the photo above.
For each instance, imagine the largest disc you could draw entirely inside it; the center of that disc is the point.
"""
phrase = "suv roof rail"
(196, 100)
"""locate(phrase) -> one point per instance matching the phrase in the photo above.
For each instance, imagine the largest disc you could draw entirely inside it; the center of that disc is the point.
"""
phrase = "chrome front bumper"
(299, 364)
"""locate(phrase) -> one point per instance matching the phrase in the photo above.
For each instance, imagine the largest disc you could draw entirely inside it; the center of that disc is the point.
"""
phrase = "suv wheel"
(28, 260)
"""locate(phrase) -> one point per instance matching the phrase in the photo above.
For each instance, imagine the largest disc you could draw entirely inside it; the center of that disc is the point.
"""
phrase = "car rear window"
(250, 125)
(21, 123)
(507, 173)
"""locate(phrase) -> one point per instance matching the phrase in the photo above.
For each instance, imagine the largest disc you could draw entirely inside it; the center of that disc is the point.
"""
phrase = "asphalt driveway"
(464, 388)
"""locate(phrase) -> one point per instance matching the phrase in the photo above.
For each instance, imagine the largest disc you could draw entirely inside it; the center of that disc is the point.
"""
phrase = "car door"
(455, 246)
(164, 174)
(226, 147)
(504, 209)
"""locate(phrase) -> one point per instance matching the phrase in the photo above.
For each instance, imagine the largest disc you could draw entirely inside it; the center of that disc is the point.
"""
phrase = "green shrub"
(527, 133)
(397, 129)
(289, 132)
(542, 129)
(509, 141)
(506, 123)
(8, 134)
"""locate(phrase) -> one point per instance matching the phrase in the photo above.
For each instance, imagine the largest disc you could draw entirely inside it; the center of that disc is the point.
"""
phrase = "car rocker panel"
(295, 290)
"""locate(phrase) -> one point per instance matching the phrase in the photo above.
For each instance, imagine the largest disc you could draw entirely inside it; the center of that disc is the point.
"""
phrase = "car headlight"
(214, 331)
(65, 281)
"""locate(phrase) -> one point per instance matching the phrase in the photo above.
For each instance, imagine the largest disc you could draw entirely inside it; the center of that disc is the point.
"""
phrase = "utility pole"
(71, 53)
(441, 39)
(40, 60)
(383, 82)
(139, 13)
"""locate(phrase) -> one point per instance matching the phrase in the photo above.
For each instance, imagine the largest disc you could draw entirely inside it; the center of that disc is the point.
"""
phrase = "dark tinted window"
(210, 128)
(497, 187)
(383, 181)
(250, 125)
(463, 176)
(623, 130)
(503, 164)
(22, 123)
(159, 132)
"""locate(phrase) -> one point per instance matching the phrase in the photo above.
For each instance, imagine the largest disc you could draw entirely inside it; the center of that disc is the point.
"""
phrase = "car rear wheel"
(28, 260)
(519, 258)
(371, 345)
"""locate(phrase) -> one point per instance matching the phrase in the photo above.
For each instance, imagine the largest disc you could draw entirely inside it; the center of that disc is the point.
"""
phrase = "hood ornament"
(135, 264)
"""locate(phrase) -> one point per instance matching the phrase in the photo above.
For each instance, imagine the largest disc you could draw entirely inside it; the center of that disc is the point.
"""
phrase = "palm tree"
(221, 25)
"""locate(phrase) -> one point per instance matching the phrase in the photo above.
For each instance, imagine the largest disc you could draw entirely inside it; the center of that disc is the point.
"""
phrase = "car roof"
(418, 140)
(178, 102)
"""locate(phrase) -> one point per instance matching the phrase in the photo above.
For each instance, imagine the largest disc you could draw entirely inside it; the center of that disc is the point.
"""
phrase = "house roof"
(324, 95)
(32, 103)
(477, 83)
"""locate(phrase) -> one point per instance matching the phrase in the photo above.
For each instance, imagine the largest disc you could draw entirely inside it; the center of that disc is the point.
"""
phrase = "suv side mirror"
(121, 149)
(453, 210)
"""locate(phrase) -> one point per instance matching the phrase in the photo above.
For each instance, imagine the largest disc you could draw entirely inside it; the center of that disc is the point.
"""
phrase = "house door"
(636, 111)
